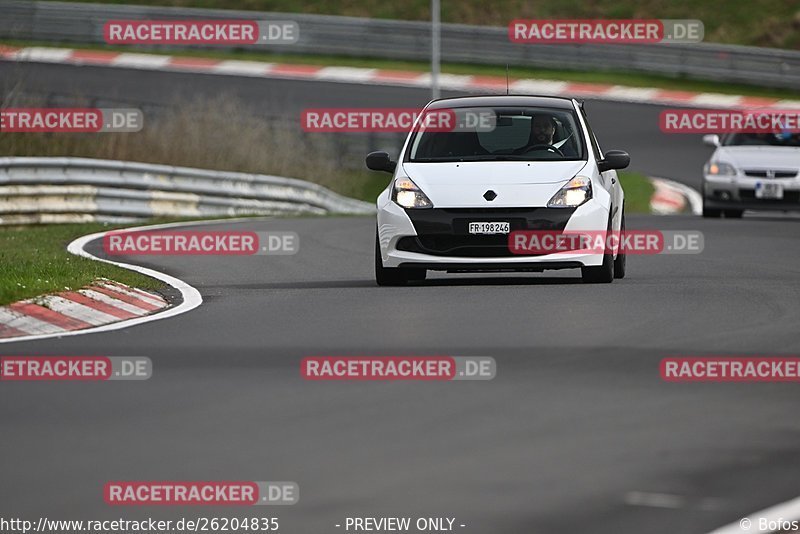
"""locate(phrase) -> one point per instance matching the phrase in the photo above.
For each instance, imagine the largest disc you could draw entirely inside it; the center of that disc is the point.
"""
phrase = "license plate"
(489, 227)
(768, 190)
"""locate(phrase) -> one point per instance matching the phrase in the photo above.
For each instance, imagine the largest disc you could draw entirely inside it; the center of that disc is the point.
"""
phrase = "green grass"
(638, 191)
(751, 22)
(604, 77)
(34, 261)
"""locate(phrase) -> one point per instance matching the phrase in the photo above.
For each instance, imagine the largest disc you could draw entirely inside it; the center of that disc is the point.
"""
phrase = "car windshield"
(762, 139)
(513, 133)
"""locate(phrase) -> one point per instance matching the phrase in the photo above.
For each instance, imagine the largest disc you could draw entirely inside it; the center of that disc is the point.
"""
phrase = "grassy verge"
(752, 22)
(34, 261)
(638, 191)
(627, 79)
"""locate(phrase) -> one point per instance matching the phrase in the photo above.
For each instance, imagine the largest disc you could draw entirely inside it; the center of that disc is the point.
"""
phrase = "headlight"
(717, 168)
(576, 192)
(408, 195)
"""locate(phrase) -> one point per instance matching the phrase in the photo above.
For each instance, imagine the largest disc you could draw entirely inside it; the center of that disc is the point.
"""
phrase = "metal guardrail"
(36, 190)
(394, 39)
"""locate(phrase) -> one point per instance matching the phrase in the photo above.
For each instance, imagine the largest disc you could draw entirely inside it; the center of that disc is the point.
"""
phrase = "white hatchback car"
(749, 171)
(456, 195)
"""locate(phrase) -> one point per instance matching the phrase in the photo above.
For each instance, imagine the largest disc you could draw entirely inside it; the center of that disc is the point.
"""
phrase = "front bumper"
(739, 193)
(438, 238)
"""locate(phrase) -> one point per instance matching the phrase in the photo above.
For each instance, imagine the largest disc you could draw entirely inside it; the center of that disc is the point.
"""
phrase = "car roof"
(502, 100)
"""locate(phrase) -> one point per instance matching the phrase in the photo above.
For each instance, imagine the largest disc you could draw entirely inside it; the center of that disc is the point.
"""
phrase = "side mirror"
(379, 161)
(614, 159)
(711, 140)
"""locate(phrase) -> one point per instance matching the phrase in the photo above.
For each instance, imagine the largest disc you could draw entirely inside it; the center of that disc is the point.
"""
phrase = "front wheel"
(394, 276)
(604, 273)
(620, 262)
(710, 213)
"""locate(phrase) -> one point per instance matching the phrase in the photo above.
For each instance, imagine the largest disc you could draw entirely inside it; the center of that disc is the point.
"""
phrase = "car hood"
(767, 157)
(516, 183)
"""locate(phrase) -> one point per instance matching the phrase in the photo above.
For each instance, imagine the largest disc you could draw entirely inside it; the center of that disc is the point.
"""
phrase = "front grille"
(756, 173)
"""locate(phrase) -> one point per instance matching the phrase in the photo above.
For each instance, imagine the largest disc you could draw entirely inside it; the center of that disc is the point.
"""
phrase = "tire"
(621, 261)
(394, 276)
(733, 214)
(710, 213)
(602, 274)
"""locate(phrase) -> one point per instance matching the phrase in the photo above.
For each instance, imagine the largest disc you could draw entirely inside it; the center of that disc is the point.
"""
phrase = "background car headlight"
(718, 168)
(576, 192)
(406, 194)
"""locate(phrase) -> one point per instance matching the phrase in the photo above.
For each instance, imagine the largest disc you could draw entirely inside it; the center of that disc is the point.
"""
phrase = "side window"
(595, 146)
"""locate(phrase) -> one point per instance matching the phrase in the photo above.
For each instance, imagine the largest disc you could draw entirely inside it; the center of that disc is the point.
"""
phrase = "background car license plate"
(489, 227)
(768, 190)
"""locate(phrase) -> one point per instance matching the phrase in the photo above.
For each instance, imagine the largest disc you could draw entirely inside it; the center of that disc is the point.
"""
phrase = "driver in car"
(543, 130)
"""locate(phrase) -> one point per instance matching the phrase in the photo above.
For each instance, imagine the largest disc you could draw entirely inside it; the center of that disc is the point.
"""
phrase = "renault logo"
(490, 195)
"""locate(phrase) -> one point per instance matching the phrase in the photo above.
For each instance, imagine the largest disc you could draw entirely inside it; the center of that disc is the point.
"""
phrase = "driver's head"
(543, 127)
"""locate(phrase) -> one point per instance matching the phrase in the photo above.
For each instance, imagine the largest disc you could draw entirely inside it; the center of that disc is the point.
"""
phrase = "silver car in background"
(751, 172)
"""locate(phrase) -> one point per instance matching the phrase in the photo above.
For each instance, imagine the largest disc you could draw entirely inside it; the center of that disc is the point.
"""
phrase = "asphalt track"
(576, 422)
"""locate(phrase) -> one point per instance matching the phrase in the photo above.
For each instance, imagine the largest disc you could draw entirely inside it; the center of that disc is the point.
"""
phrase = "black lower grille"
(445, 231)
(457, 246)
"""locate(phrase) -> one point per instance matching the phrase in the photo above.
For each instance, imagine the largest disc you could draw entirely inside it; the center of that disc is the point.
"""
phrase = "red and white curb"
(672, 197)
(369, 76)
(100, 303)
(129, 302)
